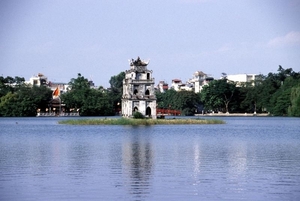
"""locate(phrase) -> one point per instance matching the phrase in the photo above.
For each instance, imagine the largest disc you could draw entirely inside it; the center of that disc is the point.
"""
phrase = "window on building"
(147, 93)
(148, 111)
(43, 82)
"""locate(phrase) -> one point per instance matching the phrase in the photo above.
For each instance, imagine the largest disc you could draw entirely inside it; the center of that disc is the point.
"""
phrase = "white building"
(162, 86)
(42, 80)
(38, 80)
(186, 87)
(242, 78)
(176, 83)
(199, 80)
(138, 90)
(63, 87)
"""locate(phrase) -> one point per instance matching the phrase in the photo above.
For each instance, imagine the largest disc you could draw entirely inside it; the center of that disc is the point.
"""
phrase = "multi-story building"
(38, 80)
(162, 86)
(199, 80)
(176, 83)
(42, 80)
(138, 90)
(56, 107)
(195, 84)
(186, 87)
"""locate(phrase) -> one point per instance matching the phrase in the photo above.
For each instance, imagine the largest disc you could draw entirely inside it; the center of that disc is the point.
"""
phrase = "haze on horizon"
(61, 38)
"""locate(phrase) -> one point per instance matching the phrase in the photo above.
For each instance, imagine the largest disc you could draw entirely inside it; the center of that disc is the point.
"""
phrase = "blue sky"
(96, 38)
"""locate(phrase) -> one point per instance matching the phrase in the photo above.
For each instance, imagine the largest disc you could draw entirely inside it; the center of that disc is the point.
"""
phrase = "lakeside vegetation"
(276, 94)
(137, 122)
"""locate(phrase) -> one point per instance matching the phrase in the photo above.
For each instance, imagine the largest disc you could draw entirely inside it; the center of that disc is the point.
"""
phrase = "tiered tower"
(138, 90)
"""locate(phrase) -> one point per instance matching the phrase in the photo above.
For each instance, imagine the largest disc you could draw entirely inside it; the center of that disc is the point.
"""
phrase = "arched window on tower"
(147, 92)
(148, 111)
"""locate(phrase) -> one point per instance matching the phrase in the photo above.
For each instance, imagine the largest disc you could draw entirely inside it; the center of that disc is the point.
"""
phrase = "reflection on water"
(138, 161)
(237, 158)
(247, 158)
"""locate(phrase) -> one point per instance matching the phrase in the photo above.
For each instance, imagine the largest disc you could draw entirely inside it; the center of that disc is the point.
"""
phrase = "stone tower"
(138, 90)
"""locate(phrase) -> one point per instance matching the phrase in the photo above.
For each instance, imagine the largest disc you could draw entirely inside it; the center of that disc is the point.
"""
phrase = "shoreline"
(233, 115)
(138, 122)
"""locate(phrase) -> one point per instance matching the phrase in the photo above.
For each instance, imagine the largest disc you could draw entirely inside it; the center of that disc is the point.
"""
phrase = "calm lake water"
(248, 158)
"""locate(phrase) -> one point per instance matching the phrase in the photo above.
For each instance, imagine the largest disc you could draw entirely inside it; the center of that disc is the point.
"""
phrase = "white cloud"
(290, 39)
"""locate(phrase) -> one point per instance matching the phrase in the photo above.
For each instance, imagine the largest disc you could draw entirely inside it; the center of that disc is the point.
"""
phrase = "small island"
(138, 122)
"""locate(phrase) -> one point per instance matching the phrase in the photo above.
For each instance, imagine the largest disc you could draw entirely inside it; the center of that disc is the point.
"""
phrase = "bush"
(138, 115)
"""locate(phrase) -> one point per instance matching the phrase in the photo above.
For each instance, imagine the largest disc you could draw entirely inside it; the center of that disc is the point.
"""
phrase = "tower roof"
(138, 62)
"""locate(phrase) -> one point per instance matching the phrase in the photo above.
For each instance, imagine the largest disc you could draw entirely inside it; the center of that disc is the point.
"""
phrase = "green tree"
(79, 83)
(41, 96)
(116, 81)
(96, 103)
(116, 89)
(166, 100)
(294, 108)
(10, 84)
(25, 101)
(8, 105)
(276, 92)
(281, 99)
(78, 93)
(218, 94)
(185, 101)
(253, 92)
(89, 101)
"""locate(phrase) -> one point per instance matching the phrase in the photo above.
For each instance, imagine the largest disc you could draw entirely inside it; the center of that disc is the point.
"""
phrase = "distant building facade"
(176, 83)
(196, 83)
(41, 80)
(162, 86)
(56, 107)
(138, 90)
(199, 80)
(240, 79)
(38, 80)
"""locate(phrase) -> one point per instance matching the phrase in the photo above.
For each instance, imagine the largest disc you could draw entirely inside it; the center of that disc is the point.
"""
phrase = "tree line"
(277, 94)
(18, 99)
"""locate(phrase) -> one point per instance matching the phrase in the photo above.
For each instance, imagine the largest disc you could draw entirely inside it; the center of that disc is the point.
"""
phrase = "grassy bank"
(136, 122)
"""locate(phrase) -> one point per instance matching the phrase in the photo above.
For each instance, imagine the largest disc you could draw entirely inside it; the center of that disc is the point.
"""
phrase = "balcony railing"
(143, 81)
